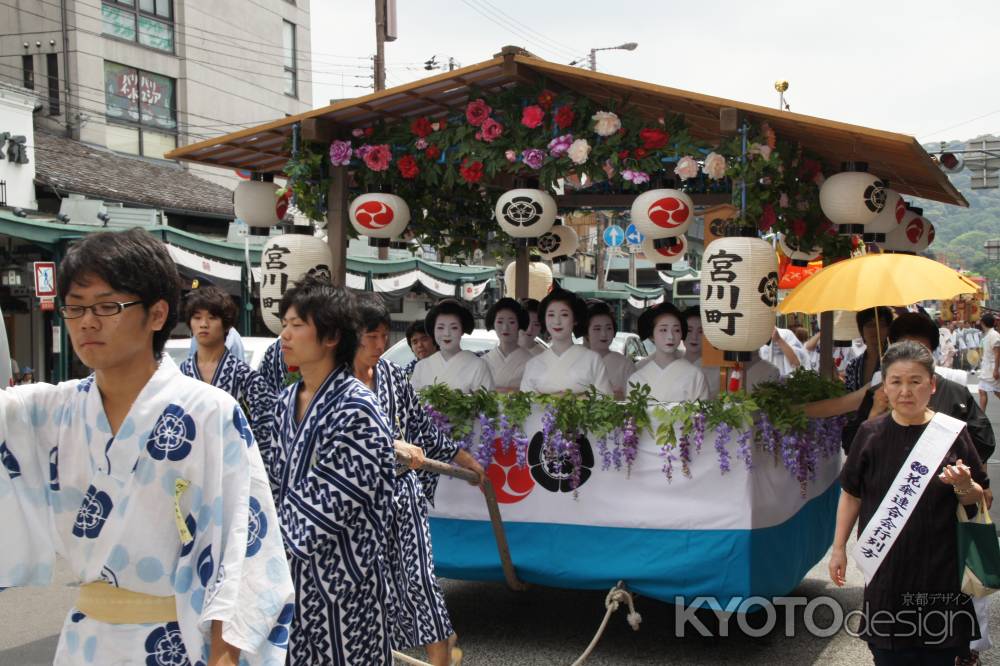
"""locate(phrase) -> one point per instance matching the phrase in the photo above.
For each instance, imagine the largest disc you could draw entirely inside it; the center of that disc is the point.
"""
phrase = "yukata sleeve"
(600, 374)
(243, 574)
(483, 377)
(349, 485)
(699, 386)
(27, 461)
(260, 400)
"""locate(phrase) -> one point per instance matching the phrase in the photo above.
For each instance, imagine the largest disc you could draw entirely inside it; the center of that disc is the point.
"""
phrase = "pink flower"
(420, 143)
(491, 130)
(715, 166)
(533, 157)
(340, 153)
(477, 111)
(378, 158)
(362, 150)
(686, 168)
(783, 200)
(560, 145)
(636, 177)
(357, 131)
(532, 116)
(511, 156)
(765, 152)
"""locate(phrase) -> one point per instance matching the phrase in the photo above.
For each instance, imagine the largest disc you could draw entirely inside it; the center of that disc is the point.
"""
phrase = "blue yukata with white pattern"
(111, 506)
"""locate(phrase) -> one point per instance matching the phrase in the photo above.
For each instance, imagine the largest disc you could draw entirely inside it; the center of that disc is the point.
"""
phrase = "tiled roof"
(73, 167)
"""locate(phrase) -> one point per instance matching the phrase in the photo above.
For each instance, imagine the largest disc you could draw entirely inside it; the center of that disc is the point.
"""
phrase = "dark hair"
(372, 312)
(530, 305)
(647, 320)
(576, 305)
(332, 310)
(988, 320)
(908, 350)
(862, 317)
(414, 328)
(450, 306)
(693, 311)
(596, 308)
(214, 301)
(507, 303)
(915, 325)
(132, 262)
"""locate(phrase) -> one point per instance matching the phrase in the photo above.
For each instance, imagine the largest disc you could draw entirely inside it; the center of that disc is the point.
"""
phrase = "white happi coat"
(619, 368)
(711, 377)
(464, 372)
(679, 381)
(576, 370)
(507, 371)
(107, 505)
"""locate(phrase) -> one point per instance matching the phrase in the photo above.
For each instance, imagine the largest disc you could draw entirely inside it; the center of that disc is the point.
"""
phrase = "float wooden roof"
(897, 157)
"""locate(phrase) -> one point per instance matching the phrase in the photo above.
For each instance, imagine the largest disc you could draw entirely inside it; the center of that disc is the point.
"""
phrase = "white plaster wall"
(16, 117)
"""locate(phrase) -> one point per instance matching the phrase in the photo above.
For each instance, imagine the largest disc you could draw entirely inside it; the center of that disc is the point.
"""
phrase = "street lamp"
(592, 58)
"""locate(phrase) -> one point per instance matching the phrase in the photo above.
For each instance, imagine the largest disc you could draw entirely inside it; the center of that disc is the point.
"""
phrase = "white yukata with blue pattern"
(107, 505)
(332, 475)
(272, 368)
(421, 614)
(246, 386)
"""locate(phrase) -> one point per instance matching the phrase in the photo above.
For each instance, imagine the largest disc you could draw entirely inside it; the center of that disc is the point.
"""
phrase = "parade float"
(730, 497)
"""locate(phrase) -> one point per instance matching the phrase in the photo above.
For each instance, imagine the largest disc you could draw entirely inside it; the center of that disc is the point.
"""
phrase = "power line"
(563, 47)
(512, 29)
(964, 122)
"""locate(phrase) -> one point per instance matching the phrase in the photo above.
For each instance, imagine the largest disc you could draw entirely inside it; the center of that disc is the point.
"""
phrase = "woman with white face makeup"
(692, 350)
(564, 366)
(598, 336)
(451, 365)
(526, 339)
(670, 377)
(507, 360)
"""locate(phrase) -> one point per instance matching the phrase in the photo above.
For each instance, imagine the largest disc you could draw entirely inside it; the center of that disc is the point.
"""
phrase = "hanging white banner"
(395, 282)
(355, 281)
(439, 287)
(471, 292)
(205, 265)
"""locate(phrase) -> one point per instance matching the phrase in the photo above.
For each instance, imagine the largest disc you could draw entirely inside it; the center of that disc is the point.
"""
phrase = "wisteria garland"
(723, 435)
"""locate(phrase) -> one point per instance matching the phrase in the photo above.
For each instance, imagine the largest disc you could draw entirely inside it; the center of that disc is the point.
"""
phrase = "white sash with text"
(909, 485)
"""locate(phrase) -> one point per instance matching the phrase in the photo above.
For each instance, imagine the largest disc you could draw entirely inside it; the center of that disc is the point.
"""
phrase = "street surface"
(543, 626)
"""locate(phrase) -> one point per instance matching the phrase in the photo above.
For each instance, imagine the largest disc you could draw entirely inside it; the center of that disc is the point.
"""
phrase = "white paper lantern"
(845, 328)
(284, 260)
(739, 293)
(559, 243)
(799, 257)
(852, 199)
(908, 233)
(665, 254)
(926, 238)
(258, 204)
(379, 215)
(539, 280)
(886, 220)
(525, 213)
(662, 213)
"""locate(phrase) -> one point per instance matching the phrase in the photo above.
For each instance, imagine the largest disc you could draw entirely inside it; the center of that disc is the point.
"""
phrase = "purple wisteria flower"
(743, 449)
(340, 153)
(487, 439)
(533, 157)
(559, 146)
(698, 430)
(630, 443)
(723, 435)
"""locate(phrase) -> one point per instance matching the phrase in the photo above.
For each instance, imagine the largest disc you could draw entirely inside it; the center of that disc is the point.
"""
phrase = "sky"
(928, 68)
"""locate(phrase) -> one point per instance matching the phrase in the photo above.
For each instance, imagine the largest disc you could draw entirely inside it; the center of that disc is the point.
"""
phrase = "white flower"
(606, 123)
(715, 166)
(765, 151)
(686, 168)
(579, 151)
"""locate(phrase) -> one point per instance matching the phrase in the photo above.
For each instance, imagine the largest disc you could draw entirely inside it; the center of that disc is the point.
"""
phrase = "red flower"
(799, 228)
(767, 217)
(809, 169)
(653, 138)
(477, 111)
(532, 116)
(421, 127)
(471, 172)
(491, 130)
(565, 117)
(432, 152)
(546, 98)
(827, 228)
(442, 124)
(369, 131)
(622, 131)
(641, 152)
(407, 167)
(623, 154)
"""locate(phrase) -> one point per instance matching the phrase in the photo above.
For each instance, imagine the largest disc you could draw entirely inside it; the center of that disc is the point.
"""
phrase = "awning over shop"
(637, 297)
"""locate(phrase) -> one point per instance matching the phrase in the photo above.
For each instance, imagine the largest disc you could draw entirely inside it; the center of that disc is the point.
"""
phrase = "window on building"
(52, 73)
(291, 68)
(28, 70)
(148, 22)
(141, 111)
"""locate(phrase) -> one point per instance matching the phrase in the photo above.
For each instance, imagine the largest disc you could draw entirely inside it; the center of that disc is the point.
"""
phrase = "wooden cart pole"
(336, 224)
(826, 345)
(521, 272)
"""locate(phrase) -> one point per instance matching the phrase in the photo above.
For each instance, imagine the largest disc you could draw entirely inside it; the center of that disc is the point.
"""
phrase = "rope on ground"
(616, 596)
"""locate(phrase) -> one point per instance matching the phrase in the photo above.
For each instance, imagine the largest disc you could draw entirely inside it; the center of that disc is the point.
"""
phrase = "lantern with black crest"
(852, 198)
(284, 260)
(887, 219)
(525, 214)
(792, 248)
(380, 216)
(561, 242)
(739, 294)
(662, 216)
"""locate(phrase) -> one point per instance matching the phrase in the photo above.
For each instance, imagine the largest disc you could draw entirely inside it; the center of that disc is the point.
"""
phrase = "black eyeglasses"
(104, 309)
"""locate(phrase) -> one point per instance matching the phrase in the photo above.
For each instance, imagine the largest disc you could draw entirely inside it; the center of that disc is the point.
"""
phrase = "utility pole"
(379, 45)
(593, 60)
(599, 255)
(631, 266)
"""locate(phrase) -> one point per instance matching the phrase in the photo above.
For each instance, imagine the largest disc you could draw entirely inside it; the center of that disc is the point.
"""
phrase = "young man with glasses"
(148, 483)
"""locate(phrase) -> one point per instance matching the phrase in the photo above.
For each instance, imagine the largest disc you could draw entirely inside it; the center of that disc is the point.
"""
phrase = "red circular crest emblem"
(511, 482)
(915, 229)
(373, 215)
(668, 212)
(281, 207)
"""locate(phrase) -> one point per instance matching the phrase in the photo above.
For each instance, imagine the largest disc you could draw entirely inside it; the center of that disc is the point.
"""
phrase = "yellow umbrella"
(876, 279)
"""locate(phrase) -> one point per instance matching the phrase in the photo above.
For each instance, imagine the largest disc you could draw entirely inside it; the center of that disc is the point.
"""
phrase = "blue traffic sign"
(614, 236)
(633, 236)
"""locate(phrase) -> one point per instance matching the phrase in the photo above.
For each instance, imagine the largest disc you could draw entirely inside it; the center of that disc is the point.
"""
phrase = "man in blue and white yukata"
(210, 314)
(332, 468)
(421, 617)
(147, 483)
(272, 368)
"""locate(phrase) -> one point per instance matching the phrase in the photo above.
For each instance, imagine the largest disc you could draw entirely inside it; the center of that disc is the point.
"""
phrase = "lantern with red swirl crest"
(908, 234)
(525, 213)
(662, 216)
(259, 203)
(665, 255)
(852, 198)
(380, 216)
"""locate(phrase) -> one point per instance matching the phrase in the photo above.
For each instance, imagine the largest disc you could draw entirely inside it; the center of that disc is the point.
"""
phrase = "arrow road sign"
(614, 236)
(633, 235)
